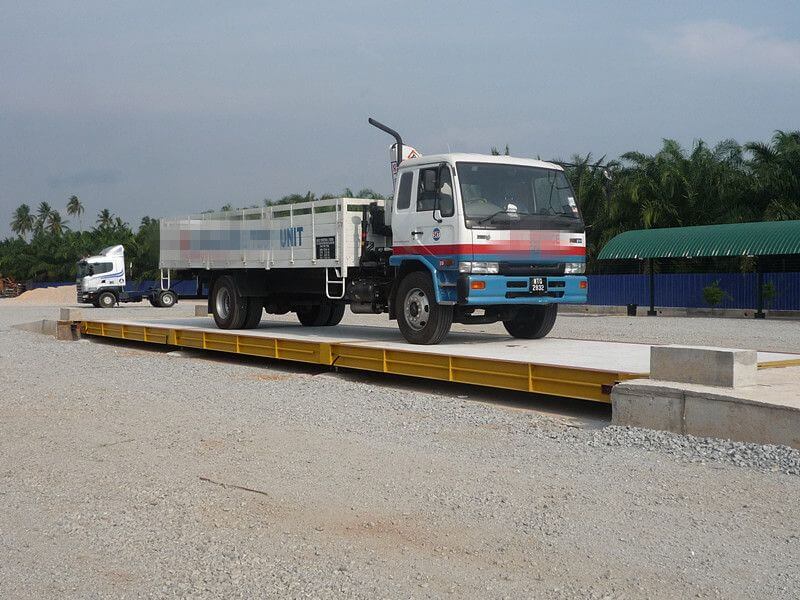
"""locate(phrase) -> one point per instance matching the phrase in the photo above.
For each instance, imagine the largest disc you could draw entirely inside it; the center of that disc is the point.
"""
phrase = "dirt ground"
(127, 472)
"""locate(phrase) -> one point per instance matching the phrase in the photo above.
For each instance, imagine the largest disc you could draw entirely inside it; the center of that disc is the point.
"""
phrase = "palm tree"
(55, 224)
(42, 214)
(105, 219)
(23, 222)
(776, 170)
(75, 209)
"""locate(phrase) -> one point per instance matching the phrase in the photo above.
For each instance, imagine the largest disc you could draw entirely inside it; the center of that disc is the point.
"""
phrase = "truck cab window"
(426, 190)
(100, 268)
(404, 191)
(446, 204)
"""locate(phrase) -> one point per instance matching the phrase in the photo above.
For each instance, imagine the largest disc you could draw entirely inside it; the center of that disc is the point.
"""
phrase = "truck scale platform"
(585, 370)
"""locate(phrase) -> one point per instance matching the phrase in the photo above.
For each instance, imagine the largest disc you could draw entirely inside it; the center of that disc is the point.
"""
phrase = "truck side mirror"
(437, 210)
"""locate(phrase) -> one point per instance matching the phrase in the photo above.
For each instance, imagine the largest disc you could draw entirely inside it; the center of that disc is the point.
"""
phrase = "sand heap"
(50, 296)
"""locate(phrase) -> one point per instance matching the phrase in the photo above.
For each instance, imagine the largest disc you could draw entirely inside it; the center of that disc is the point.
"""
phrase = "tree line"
(676, 186)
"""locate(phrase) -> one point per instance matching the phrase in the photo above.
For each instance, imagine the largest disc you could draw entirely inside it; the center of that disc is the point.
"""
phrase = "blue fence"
(686, 289)
(187, 287)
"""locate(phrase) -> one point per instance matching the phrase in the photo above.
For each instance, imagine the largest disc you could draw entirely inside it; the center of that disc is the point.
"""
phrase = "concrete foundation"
(45, 326)
(67, 331)
(723, 367)
(767, 412)
(201, 310)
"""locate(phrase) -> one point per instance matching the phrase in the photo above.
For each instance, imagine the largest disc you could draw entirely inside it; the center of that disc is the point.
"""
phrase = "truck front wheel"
(228, 307)
(106, 300)
(420, 318)
(532, 322)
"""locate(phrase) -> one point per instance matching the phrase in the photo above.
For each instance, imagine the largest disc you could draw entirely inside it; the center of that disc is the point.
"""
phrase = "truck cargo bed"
(320, 234)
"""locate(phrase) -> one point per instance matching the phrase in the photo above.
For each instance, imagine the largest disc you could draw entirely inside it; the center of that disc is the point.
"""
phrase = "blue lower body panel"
(505, 290)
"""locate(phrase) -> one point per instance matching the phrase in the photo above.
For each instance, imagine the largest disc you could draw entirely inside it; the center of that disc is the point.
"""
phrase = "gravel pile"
(49, 296)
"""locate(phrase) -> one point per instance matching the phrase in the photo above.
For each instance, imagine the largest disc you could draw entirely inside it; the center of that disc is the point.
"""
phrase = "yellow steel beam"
(570, 382)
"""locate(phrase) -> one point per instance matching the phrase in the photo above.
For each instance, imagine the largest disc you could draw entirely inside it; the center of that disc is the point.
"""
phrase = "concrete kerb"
(703, 411)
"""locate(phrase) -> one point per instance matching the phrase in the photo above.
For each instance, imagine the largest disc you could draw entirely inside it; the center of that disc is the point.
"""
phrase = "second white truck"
(467, 238)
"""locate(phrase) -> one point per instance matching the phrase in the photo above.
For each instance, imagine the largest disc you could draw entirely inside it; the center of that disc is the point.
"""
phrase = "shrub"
(714, 295)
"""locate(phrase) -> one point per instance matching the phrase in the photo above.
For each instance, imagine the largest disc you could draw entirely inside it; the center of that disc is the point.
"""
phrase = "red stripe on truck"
(521, 247)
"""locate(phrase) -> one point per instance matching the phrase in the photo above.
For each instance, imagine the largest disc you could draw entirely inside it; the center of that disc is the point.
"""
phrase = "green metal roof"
(735, 239)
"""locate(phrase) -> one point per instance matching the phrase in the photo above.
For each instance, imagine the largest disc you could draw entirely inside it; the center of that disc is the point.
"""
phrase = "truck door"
(435, 222)
(403, 217)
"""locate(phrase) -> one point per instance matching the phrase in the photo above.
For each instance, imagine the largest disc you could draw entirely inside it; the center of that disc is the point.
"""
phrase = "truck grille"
(512, 268)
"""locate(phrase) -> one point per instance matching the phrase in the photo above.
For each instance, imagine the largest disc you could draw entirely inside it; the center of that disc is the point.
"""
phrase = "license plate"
(538, 285)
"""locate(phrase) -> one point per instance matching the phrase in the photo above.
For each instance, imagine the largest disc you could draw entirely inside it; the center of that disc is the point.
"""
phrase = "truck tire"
(532, 322)
(228, 307)
(106, 300)
(167, 299)
(337, 313)
(255, 308)
(315, 316)
(153, 300)
(421, 319)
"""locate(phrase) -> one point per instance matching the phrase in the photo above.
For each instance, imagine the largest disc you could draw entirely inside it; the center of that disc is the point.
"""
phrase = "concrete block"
(70, 314)
(201, 310)
(67, 331)
(721, 367)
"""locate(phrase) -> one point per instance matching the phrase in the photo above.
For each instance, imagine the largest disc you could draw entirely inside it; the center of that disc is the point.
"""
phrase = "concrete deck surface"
(582, 354)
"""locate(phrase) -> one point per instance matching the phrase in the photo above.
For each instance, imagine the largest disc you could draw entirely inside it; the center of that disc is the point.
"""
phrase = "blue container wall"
(186, 287)
(686, 289)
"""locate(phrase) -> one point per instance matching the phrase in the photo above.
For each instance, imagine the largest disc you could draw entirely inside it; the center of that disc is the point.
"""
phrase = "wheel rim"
(166, 299)
(106, 301)
(223, 303)
(417, 309)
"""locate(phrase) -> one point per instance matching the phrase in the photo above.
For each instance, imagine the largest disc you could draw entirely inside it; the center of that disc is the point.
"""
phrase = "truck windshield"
(500, 196)
(84, 268)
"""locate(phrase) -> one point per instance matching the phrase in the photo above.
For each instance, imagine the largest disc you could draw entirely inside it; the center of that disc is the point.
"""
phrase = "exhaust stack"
(392, 133)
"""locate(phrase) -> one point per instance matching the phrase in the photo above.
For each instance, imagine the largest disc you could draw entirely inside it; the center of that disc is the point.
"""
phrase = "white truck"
(101, 281)
(467, 238)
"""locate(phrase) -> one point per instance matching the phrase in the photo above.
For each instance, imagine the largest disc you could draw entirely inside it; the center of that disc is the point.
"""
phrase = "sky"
(169, 108)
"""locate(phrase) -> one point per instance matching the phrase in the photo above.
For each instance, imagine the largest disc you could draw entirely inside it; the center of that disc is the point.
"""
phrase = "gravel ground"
(128, 472)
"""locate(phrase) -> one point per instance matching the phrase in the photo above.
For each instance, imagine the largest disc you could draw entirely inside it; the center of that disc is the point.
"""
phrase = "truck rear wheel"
(532, 322)
(106, 300)
(228, 307)
(315, 316)
(337, 313)
(167, 299)
(255, 308)
(420, 318)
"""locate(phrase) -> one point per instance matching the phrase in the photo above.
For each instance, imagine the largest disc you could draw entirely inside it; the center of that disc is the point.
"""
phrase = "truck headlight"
(479, 267)
(574, 268)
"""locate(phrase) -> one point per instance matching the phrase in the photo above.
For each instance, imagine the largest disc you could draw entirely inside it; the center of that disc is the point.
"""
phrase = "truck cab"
(104, 272)
(500, 238)
(100, 280)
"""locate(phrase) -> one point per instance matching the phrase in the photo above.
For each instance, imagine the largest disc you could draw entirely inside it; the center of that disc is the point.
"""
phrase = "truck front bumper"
(488, 290)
